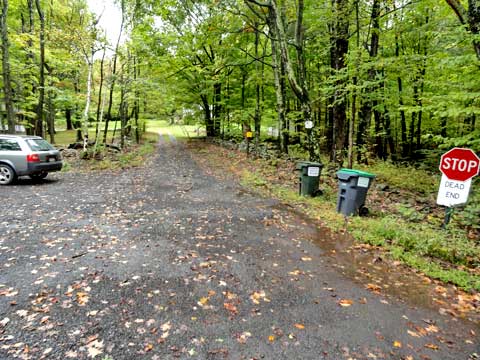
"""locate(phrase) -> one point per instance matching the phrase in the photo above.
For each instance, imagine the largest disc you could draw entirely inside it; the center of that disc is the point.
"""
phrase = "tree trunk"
(51, 116)
(89, 62)
(136, 105)
(340, 38)
(368, 105)
(68, 118)
(99, 105)
(258, 115)
(108, 116)
(7, 87)
(209, 126)
(217, 107)
(41, 81)
(351, 126)
(280, 93)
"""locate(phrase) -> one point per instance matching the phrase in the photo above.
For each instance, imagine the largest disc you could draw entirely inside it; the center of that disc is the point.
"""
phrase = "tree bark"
(99, 105)
(89, 61)
(7, 86)
(258, 115)
(368, 105)
(108, 116)
(340, 38)
(280, 93)
(41, 81)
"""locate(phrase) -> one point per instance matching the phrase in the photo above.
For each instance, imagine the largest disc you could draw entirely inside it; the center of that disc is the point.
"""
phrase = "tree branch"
(459, 9)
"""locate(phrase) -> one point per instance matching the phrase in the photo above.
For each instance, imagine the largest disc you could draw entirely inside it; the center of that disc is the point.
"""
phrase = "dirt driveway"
(168, 262)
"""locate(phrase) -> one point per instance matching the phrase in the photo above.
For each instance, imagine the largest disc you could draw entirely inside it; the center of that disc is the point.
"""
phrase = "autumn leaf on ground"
(229, 295)
(95, 348)
(4, 322)
(148, 347)
(374, 288)
(242, 339)
(413, 333)
(397, 344)
(306, 258)
(431, 346)
(230, 307)
(299, 326)
(345, 302)
(271, 338)
(257, 295)
(82, 298)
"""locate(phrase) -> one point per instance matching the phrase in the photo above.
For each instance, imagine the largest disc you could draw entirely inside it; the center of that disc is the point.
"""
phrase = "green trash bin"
(353, 186)
(309, 177)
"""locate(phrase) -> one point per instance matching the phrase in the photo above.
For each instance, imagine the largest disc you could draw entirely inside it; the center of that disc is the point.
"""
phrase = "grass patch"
(406, 177)
(67, 137)
(179, 131)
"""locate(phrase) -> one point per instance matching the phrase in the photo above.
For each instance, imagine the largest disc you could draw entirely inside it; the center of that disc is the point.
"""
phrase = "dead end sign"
(458, 167)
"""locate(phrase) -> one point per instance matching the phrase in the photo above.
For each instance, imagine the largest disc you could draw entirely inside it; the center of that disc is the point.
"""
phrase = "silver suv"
(22, 155)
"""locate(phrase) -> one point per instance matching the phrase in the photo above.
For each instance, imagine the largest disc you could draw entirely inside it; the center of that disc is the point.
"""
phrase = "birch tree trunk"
(7, 87)
(89, 62)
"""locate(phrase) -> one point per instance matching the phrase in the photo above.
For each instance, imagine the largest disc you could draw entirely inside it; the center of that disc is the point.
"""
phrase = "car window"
(9, 145)
(39, 145)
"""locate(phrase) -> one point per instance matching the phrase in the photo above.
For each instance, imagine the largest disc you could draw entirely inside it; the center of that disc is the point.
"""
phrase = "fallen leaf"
(167, 326)
(95, 348)
(397, 344)
(299, 326)
(432, 328)
(4, 322)
(148, 347)
(242, 339)
(413, 333)
(82, 298)
(345, 302)
(374, 288)
(230, 307)
(306, 258)
(271, 338)
(203, 301)
(431, 346)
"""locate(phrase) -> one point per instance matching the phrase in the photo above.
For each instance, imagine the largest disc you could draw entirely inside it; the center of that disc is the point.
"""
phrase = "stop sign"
(460, 164)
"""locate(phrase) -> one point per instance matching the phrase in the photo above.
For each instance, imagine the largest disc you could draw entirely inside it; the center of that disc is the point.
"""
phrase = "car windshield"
(39, 145)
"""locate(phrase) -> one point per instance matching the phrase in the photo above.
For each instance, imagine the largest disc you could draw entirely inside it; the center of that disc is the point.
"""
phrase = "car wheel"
(38, 176)
(7, 175)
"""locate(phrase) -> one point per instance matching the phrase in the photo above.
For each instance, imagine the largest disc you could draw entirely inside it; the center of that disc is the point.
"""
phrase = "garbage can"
(353, 186)
(309, 177)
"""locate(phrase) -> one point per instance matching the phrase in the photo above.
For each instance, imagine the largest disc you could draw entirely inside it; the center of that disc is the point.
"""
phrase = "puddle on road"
(368, 265)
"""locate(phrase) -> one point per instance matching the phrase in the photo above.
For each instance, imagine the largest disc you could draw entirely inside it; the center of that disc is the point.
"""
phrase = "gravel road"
(167, 262)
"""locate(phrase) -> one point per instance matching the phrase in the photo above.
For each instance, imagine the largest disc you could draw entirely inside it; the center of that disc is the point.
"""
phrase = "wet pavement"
(167, 262)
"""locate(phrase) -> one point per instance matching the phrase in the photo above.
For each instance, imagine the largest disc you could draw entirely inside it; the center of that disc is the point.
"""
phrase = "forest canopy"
(390, 79)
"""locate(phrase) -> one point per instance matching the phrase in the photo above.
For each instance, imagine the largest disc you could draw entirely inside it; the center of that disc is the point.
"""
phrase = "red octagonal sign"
(460, 164)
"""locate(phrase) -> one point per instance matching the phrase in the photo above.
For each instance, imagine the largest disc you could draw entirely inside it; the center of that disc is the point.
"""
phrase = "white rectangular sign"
(453, 192)
(363, 182)
(313, 171)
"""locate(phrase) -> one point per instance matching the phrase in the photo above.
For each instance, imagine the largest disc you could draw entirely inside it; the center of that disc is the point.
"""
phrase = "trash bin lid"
(303, 164)
(345, 174)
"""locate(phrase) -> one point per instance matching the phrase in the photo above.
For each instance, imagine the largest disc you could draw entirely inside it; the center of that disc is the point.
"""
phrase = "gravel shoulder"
(168, 262)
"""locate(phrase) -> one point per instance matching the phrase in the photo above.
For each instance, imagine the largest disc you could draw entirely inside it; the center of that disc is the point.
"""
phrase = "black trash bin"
(353, 186)
(309, 177)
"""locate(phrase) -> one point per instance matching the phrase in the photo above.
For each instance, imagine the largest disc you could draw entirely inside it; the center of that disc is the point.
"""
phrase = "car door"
(11, 153)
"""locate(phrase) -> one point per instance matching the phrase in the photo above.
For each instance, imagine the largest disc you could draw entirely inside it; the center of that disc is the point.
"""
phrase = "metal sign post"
(309, 127)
